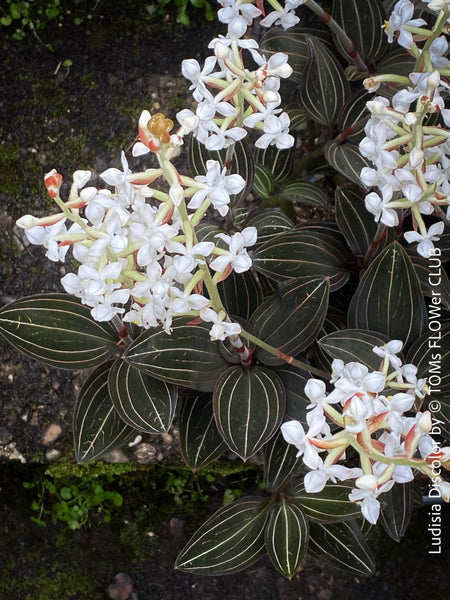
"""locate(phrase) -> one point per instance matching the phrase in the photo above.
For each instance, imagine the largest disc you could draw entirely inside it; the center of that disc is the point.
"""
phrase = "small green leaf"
(248, 407)
(96, 425)
(328, 506)
(341, 545)
(354, 345)
(231, 540)
(200, 440)
(280, 460)
(397, 510)
(286, 537)
(145, 403)
(305, 193)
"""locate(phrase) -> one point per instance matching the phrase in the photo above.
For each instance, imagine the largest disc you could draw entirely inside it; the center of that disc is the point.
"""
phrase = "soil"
(81, 115)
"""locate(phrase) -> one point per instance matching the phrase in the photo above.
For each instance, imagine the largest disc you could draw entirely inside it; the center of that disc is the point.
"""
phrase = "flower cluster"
(369, 407)
(136, 245)
(405, 139)
(230, 96)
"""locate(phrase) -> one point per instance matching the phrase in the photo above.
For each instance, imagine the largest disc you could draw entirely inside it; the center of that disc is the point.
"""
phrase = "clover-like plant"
(189, 295)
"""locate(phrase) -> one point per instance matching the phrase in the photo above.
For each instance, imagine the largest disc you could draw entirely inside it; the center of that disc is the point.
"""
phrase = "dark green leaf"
(398, 62)
(388, 298)
(293, 43)
(269, 222)
(291, 319)
(264, 182)
(363, 22)
(231, 540)
(241, 293)
(356, 223)
(278, 162)
(248, 407)
(145, 403)
(311, 251)
(341, 545)
(280, 460)
(355, 345)
(200, 440)
(328, 506)
(294, 380)
(286, 537)
(324, 87)
(354, 115)
(397, 510)
(347, 160)
(58, 330)
(97, 428)
(303, 192)
(186, 357)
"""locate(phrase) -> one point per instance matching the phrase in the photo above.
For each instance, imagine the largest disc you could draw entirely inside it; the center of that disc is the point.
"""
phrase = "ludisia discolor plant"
(322, 345)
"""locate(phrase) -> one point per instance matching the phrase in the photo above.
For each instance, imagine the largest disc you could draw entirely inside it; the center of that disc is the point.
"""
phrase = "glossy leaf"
(278, 162)
(346, 159)
(291, 319)
(397, 510)
(355, 222)
(145, 403)
(200, 440)
(269, 222)
(354, 115)
(242, 162)
(57, 330)
(363, 22)
(328, 506)
(97, 427)
(305, 193)
(264, 182)
(431, 352)
(354, 345)
(398, 62)
(324, 87)
(294, 380)
(388, 298)
(286, 537)
(241, 293)
(292, 43)
(280, 460)
(187, 357)
(309, 251)
(248, 407)
(342, 545)
(229, 541)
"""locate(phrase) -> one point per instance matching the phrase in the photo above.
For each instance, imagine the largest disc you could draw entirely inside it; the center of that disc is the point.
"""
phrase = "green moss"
(11, 170)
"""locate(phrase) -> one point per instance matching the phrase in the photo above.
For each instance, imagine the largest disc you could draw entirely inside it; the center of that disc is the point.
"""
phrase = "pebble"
(52, 454)
(5, 436)
(51, 434)
(145, 453)
(121, 588)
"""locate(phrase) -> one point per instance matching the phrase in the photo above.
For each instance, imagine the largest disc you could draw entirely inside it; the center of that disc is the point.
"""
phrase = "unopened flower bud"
(270, 96)
(221, 51)
(371, 84)
(176, 194)
(27, 222)
(367, 482)
(80, 178)
(424, 423)
(416, 157)
(433, 81)
(410, 118)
